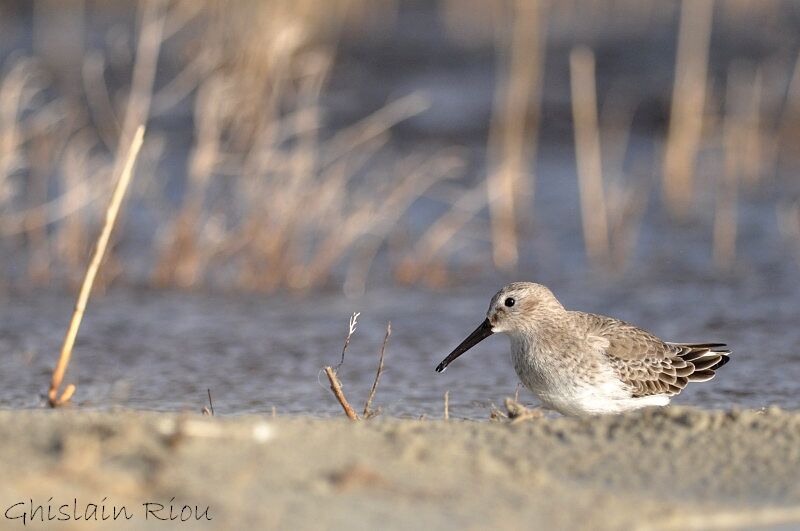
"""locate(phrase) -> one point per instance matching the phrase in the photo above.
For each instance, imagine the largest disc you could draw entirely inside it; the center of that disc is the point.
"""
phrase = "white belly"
(559, 386)
(580, 402)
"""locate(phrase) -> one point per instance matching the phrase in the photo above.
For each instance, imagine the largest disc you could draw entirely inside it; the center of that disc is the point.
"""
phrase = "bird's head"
(514, 309)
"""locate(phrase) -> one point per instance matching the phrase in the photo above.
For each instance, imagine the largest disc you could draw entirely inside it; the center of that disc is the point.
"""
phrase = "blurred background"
(638, 156)
(306, 144)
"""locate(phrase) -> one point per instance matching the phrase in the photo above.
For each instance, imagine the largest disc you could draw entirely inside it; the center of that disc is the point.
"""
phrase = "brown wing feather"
(648, 365)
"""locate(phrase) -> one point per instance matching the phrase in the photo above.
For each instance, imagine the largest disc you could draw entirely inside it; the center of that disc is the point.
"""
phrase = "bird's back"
(645, 363)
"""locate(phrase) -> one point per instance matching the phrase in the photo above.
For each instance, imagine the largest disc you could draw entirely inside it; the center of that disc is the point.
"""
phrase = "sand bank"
(660, 469)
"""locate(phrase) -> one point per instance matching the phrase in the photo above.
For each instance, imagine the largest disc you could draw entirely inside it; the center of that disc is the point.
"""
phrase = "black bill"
(482, 332)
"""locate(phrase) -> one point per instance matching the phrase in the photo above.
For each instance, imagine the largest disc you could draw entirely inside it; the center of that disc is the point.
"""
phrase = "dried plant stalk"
(754, 154)
(734, 133)
(208, 410)
(144, 69)
(367, 406)
(512, 136)
(447, 405)
(626, 198)
(352, 324)
(86, 287)
(588, 154)
(688, 101)
(336, 387)
(517, 412)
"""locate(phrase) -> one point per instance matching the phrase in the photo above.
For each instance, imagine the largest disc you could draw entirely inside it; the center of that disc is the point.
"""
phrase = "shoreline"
(667, 468)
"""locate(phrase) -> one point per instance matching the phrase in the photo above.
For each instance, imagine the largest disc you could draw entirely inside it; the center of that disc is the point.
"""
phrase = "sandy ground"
(675, 468)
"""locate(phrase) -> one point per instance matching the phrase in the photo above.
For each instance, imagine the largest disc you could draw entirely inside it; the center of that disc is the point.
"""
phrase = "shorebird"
(585, 364)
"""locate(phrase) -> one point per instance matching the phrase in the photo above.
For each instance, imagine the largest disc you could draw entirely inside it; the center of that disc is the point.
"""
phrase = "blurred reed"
(788, 216)
(301, 203)
(611, 205)
(298, 205)
(734, 139)
(688, 106)
(272, 198)
(589, 156)
(513, 133)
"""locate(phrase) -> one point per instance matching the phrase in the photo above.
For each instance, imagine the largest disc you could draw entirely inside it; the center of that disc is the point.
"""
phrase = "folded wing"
(650, 366)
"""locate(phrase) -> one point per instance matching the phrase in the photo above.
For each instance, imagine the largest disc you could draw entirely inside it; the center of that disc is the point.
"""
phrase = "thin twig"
(350, 331)
(336, 387)
(447, 405)
(91, 273)
(210, 403)
(367, 411)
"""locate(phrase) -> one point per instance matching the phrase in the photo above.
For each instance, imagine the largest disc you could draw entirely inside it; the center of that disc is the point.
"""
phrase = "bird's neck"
(539, 332)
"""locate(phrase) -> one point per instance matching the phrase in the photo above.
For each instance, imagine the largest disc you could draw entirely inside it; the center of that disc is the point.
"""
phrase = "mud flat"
(675, 468)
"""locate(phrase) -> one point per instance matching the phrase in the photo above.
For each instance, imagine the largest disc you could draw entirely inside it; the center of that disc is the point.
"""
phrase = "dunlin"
(584, 364)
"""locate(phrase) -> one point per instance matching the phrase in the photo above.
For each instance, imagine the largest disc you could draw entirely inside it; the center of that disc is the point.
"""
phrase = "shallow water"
(162, 350)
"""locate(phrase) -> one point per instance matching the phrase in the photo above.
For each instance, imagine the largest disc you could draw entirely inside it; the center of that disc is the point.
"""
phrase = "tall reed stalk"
(734, 140)
(688, 104)
(126, 172)
(514, 127)
(588, 155)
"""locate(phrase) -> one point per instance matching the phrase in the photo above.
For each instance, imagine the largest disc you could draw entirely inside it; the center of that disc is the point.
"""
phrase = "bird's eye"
(510, 302)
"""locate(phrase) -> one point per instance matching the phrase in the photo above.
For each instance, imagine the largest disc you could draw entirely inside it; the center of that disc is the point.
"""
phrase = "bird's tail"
(706, 358)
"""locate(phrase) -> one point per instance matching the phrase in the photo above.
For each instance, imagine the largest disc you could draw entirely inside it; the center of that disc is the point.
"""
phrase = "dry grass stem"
(368, 412)
(91, 272)
(626, 197)
(755, 149)
(688, 102)
(512, 139)
(144, 69)
(517, 412)
(209, 410)
(351, 329)
(734, 138)
(588, 155)
(447, 405)
(336, 387)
